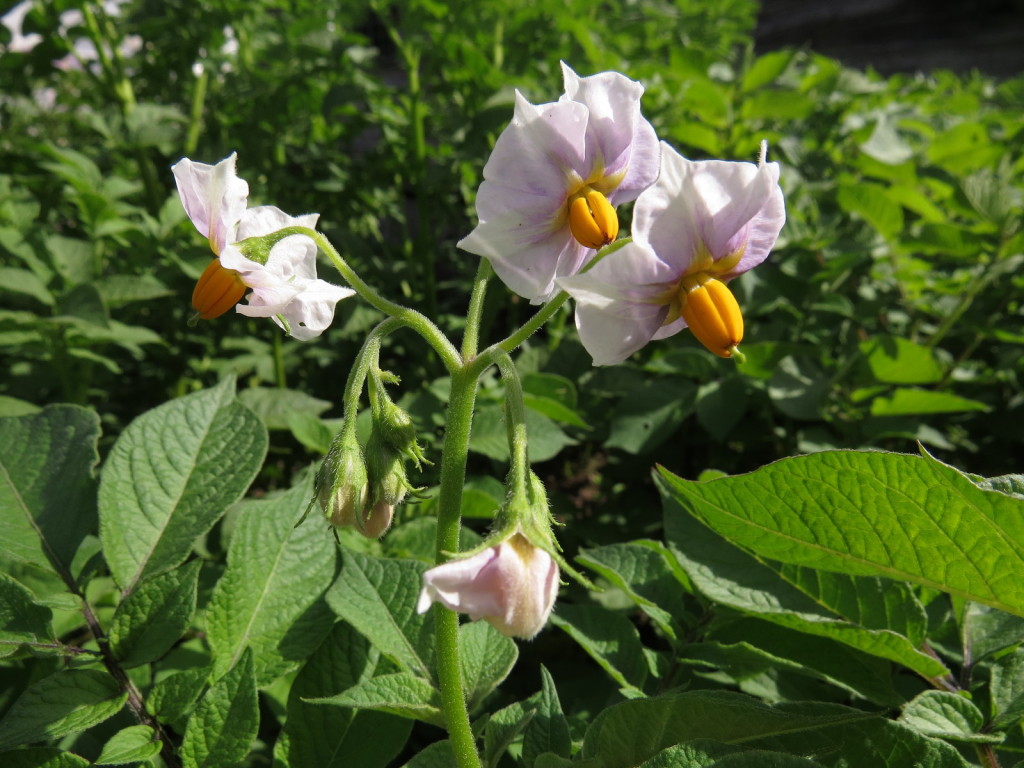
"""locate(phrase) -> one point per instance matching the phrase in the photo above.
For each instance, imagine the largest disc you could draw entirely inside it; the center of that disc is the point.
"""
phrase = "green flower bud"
(396, 427)
(342, 486)
(385, 468)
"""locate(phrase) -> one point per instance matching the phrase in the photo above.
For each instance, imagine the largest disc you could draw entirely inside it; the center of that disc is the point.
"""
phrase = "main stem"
(455, 451)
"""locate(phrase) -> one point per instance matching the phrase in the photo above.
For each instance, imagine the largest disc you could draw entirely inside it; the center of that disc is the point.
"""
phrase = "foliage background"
(889, 313)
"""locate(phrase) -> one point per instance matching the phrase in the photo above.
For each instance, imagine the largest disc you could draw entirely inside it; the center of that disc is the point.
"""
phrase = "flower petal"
(214, 198)
(621, 302)
(265, 219)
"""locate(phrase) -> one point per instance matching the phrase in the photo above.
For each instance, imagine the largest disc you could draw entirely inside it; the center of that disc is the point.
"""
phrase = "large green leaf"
(171, 475)
(873, 615)
(224, 724)
(378, 597)
(47, 485)
(874, 514)
(270, 598)
(67, 701)
(946, 715)
(337, 737)
(548, 730)
(629, 733)
(399, 693)
(487, 656)
(611, 640)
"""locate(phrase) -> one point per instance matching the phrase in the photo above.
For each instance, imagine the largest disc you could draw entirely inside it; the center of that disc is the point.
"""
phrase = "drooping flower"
(283, 281)
(702, 224)
(555, 175)
(512, 586)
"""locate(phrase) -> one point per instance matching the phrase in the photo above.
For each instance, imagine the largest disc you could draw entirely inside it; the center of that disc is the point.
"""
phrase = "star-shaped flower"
(702, 224)
(557, 171)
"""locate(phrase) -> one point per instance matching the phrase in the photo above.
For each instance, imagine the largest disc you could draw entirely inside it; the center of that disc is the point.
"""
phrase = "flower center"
(217, 291)
(592, 219)
(712, 313)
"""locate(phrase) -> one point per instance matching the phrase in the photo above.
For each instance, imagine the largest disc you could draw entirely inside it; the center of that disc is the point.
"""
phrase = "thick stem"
(455, 451)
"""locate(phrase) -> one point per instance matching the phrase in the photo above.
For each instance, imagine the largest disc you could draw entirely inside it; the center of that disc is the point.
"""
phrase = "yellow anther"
(217, 291)
(712, 313)
(592, 219)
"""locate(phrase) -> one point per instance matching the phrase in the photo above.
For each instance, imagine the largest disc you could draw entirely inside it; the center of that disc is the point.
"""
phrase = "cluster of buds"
(362, 488)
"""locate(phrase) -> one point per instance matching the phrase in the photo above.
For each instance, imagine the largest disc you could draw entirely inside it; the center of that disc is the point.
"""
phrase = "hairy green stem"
(515, 421)
(366, 358)
(471, 338)
(533, 324)
(417, 321)
(454, 454)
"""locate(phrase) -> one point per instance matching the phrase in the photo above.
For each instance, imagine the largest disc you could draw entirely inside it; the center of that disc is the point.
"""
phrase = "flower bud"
(341, 483)
(397, 429)
(377, 521)
(385, 469)
(712, 314)
(592, 219)
(217, 291)
(512, 586)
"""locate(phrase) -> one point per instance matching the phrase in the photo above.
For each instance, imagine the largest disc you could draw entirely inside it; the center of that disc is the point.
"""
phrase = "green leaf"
(398, 694)
(766, 69)
(270, 598)
(118, 290)
(24, 282)
(649, 576)
(877, 514)
(43, 757)
(12, 406)
(1006, 689)
(946, 715)
(711, 754)
(22, 620)
(893, 360)
(798, 388)
(224, 724)
(721, 405)
(870, 614)
(610, 639)
(274, 405)
(502, 729)
(869, 201)
(67, 701)
(171, 474)
(553, 396)
(548, 730)
(150, 620)
(749, 647)
(631, 732)
(906, 401)
(47, 485)
(130, 745)
(378, 597)
(487, 656)
(647, 415)
(337, 737)
(437, 755)
(174, 697)
(490, 437)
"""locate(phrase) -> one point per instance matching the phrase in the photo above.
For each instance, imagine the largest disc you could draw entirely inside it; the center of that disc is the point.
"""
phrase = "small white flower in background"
(13, 20)
(512, 586)
(702, 224)
(285, 287)
(557, 171)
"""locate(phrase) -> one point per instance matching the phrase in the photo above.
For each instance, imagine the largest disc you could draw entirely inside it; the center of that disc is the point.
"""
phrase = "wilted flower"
(512, 586)
(283, 280)
(702, 224)
(13, 20)
(556, 173)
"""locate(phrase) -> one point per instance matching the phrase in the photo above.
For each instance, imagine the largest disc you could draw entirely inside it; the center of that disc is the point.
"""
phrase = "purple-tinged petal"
(763, 230)
(621, 302)
(644, 165)
(214, 198)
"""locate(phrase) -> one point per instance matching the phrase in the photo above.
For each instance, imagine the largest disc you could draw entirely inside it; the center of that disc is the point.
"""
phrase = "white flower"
(511, 586)
(285, 287)
(13, 20)
(556, 173)
(702, 224)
